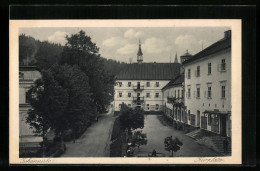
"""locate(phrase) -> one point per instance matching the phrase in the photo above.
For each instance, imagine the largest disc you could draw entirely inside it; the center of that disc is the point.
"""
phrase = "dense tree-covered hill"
(44, 54)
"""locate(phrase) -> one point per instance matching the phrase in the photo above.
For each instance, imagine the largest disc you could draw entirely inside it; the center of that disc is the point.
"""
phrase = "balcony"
(138, 99)
(138, 88)
(176, 101)
(171, 99)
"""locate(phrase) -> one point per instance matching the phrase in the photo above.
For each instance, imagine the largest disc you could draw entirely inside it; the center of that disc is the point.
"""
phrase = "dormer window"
(120, 84)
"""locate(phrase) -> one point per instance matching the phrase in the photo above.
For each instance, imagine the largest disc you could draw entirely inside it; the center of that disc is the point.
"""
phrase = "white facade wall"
(216, 80)
(26, 80)
(152, 90)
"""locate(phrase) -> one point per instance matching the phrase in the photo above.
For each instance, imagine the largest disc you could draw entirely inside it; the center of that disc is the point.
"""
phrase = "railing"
(138, 88)
(175, 100)
(138, 99)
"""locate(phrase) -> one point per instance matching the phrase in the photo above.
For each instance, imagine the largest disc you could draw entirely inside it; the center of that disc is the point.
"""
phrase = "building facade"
(140, 84)
(174, 97)
(27, 76)
(208, 87)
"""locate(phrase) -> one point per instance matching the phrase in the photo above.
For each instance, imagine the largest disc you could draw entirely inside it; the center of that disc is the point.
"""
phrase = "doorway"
(223, 126)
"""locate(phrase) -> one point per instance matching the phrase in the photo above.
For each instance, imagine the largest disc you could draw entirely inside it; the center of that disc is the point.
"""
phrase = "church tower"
(139, 54)
(176, 59)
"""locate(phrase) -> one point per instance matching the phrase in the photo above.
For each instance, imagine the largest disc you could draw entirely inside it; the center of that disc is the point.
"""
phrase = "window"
(147, 107)
(198, 71)
(189, 74)
(209, 92)
(223, 65)
(189, 114)
(209, 68)
(188, 92)
(178, 93)
(129, 105)
(223, 91)
(157, 107)
(182, 93)
(147, 84)
(129, 84)
(157, 84)
(147, 94)
(120, 105)
(129, 94)
(27, 97)
(120, 94)
(198, 92)
(120, 84)
(156, 95)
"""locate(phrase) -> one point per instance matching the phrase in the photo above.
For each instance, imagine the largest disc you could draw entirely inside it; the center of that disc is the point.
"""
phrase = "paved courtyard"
(156, 132)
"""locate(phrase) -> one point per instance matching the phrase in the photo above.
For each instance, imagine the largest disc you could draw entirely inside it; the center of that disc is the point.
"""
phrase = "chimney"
(227, 34)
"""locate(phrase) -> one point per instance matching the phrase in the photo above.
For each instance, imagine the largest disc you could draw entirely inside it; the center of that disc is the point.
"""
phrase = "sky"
(159, 44)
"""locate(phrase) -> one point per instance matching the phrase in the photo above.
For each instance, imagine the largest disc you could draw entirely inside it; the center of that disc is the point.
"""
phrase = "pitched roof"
(177, 81)
(216, 47)
(149, 71)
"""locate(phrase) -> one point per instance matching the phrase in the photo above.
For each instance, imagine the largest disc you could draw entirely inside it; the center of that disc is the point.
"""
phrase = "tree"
(80, 50)
(172, 145)
(79, 111)
(49, 101)
(131, 119)
(139, 139)
(47, 55)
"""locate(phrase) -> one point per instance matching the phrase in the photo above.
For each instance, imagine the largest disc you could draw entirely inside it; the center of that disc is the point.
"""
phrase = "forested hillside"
(45, 54)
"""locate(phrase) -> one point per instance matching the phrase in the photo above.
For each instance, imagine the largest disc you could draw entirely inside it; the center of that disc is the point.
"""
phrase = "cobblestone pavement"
(95, 141)
(156, 132)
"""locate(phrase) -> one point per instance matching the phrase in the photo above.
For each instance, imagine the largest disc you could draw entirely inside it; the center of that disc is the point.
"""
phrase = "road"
(156, 132)
(95, 141)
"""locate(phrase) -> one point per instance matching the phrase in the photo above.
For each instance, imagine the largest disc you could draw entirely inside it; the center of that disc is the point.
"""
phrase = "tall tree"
(79, 111)
(80, 50)
(48, 100)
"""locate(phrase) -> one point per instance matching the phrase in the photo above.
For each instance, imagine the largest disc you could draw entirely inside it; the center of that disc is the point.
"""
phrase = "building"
(173, 94)
(140, 84)
(27, 76)
(208, 87)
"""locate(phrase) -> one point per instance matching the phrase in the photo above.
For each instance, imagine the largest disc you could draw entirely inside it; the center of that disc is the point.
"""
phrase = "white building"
(174, 106)
(140, 84)
(208, 87)
(27, 76)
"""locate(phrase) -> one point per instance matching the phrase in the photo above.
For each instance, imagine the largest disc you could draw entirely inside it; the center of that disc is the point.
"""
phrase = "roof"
(214, 48)
(186, 54)
(150, 71)
(177, 81)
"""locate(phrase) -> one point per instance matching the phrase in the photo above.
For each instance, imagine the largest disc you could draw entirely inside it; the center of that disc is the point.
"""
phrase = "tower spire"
(140, 54)
(176, 59)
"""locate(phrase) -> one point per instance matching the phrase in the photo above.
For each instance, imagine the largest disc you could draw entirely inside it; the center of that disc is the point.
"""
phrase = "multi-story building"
(173, 94)
(27, 77)
(208, 87)
(140, 84)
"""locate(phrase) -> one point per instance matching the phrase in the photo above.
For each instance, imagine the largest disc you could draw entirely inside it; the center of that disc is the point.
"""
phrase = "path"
(95, 141)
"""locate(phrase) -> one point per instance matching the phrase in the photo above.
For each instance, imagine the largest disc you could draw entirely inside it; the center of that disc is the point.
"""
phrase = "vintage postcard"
(125, 91)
